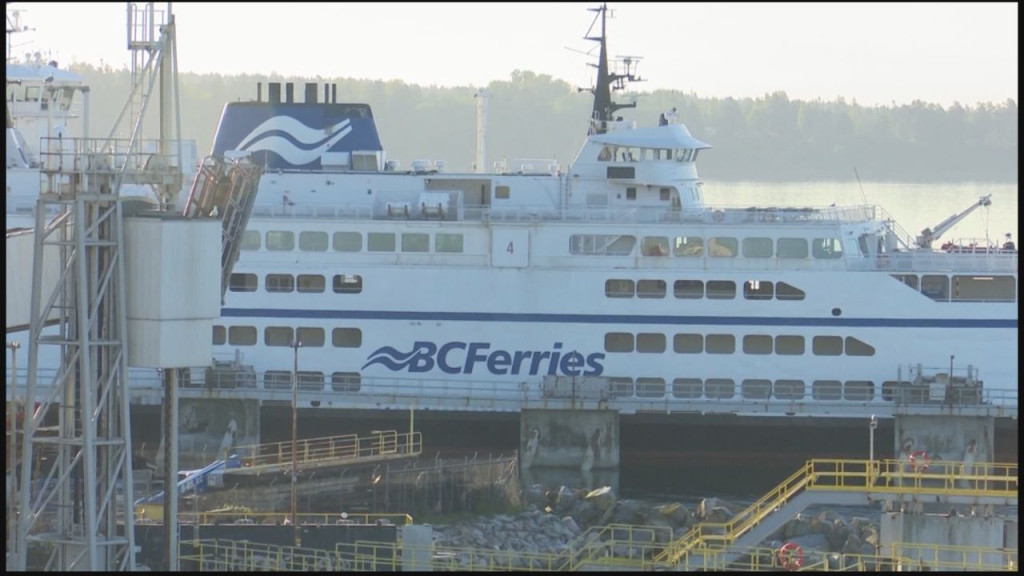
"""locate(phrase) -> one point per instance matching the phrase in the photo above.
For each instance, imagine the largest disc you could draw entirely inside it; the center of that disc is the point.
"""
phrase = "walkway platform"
(324, 453)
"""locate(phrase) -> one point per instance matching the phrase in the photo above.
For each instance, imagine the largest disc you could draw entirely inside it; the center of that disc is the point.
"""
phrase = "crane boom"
(929, 235)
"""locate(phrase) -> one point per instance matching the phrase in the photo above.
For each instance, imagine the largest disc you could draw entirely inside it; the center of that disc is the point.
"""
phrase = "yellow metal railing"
(246, 556)
(897, 477)
(363, 556)
(719, 535)
(268, 518)
(703, 547)
(331, 449)
(616, 545)
(916, 556)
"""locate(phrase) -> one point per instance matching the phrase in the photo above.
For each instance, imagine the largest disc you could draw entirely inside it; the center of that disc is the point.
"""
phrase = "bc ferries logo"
(292, 140)
(464, 357)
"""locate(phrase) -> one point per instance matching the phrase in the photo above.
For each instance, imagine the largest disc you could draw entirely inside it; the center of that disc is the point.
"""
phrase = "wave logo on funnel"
(292, 140)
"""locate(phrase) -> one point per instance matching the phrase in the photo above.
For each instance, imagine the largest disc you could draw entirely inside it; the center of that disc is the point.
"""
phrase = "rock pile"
(554, 520)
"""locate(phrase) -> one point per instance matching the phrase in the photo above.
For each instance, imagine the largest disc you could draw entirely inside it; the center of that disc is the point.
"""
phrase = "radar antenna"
(608, 80)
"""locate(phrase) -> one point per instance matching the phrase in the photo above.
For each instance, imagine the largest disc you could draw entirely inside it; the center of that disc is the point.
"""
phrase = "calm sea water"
(914, 206)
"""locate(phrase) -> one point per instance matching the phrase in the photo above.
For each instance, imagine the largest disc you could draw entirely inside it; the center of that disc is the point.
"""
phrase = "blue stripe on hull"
(619, 318)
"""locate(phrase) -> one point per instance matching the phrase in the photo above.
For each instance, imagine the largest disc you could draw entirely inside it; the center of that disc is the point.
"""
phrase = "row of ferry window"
(303, 283)
(644, 388)
(750, 389)
(656, 343)
(715, 246)
(311, 381)
(962, 288)
(692, 289)
(318, 241)
(285, 336)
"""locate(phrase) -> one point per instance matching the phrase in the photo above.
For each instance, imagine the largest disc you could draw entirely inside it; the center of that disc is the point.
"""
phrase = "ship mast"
(607, 80)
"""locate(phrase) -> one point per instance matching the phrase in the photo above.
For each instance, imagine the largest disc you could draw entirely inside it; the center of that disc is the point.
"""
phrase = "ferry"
(612, 274)
(610, 278)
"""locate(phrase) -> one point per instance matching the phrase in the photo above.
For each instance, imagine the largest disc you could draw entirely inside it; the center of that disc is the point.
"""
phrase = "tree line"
(770, 138)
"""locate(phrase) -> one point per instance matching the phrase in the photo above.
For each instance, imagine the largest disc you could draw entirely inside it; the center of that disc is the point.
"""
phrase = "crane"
(929, 235)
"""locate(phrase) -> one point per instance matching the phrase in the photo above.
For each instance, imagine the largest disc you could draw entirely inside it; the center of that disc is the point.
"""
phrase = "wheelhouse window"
(826, 248)
(792, 248)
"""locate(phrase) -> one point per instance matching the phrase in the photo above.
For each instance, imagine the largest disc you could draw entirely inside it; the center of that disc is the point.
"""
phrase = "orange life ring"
(919, 461)
(718, 216)
(791, 556)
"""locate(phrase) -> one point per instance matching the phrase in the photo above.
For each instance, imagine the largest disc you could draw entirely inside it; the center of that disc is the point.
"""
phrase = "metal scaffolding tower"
(75, 493)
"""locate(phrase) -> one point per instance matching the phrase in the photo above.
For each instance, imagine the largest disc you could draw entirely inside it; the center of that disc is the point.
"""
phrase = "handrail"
(894, 477)
(349, 447)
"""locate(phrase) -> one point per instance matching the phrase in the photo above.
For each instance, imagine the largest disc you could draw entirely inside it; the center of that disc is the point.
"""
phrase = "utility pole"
(296, 344)
(12, 449)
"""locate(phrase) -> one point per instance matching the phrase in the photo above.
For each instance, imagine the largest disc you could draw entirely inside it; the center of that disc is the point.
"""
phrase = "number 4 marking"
(511, 248)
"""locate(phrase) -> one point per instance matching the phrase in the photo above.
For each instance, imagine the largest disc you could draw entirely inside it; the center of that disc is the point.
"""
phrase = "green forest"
(770, 138)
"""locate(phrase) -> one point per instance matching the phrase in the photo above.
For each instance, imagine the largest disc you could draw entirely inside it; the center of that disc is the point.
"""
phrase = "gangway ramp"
(328, 452)
(225, 189)
(841, 483)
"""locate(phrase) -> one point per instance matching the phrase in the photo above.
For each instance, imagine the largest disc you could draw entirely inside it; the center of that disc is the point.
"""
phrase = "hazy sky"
(874, 53)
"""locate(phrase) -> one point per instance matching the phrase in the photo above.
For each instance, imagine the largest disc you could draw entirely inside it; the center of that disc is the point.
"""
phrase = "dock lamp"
(296, 344)
(872, 424)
